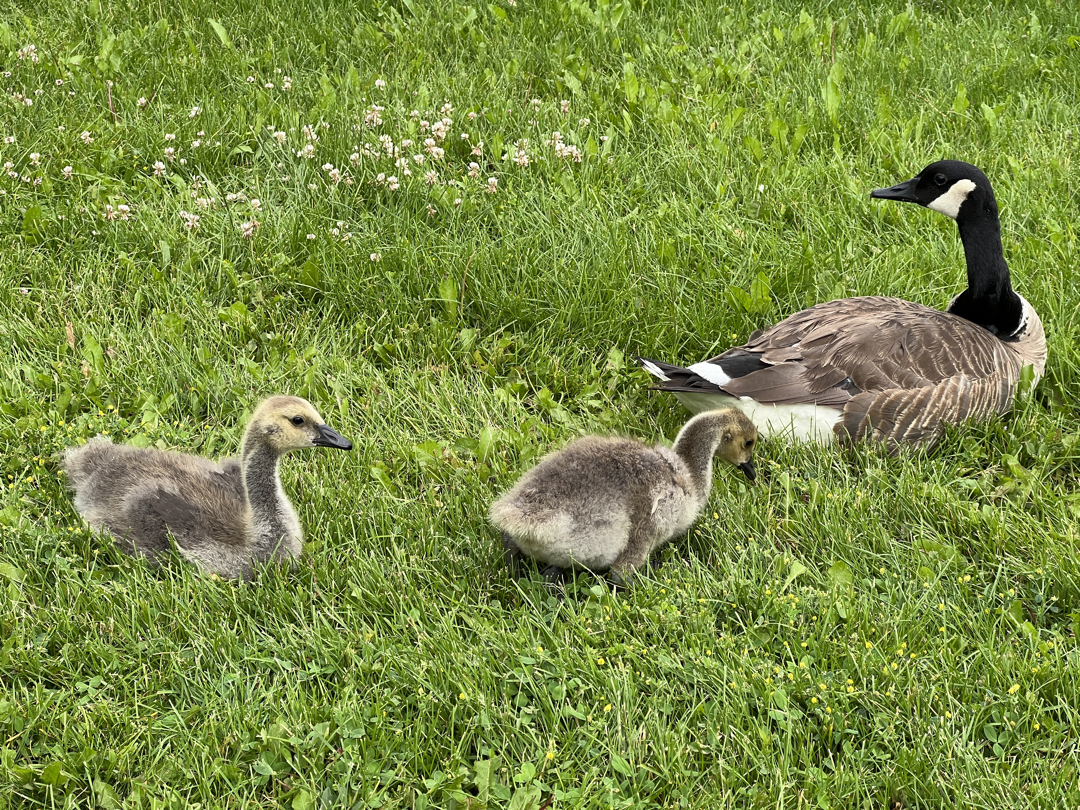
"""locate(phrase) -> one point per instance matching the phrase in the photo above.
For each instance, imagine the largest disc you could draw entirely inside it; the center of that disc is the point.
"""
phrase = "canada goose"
(224, 516)
(607, 503)
(880, 367)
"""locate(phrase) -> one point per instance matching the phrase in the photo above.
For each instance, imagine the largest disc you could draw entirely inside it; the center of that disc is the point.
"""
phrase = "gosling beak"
(904, 192)
(328, 437)
(748, 470)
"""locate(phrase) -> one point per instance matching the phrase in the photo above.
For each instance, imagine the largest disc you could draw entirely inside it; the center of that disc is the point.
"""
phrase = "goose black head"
(950, 187)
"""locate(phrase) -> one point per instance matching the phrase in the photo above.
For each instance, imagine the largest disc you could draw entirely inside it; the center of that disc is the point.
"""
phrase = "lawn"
(452, 227)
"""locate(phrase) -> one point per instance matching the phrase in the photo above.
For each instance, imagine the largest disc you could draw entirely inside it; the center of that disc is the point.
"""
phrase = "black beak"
(748, 470)
(904, 192)
(328, 437)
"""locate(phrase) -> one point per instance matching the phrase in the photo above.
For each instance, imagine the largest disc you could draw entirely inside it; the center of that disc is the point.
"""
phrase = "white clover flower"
(269, 86)
(327, 167)
(564, 105)
(159, 169)
(309, 133)
(414, 114)
(405, 144)
(247, 229)
(196, 144)
(307, 152)
(86, 137)
(35, 158)
(251, 79)
(170, 136)
(354, 158)
(457, 202)
(170, 153)
(392, 183)
(472, 116)
(124, 211)
(474, 170)
(9, 139)
(142, 103)
(110, 213)
(286, 83)
(447, 108)
(373, 117)
(59, 82)
(431, 178)
(67, 171)
(536, 103)
(380, 83)
(280, 136)
(256, 204)
(191, 221)
(376, 257)
(478, 149)
(492, 185)
(310, 236)
(583, 122)
(194, 112)
(335, 176)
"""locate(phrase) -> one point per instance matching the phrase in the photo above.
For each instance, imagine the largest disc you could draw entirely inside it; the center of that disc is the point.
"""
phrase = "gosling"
(227, 517)
(608, 503)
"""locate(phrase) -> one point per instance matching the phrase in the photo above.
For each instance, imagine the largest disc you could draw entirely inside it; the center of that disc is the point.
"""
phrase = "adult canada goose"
(607, 503)
(880, 367)
(225, 516)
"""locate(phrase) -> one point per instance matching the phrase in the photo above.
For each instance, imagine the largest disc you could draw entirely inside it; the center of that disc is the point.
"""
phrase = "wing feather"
(899, 370)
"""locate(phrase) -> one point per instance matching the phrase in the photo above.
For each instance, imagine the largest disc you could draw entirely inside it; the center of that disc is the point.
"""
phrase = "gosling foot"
(513, 556)
(554, 576)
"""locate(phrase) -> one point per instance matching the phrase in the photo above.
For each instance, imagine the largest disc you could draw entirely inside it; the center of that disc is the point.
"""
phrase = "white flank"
(949, 203)
(653, 369)
(800, 423)
(711, 372)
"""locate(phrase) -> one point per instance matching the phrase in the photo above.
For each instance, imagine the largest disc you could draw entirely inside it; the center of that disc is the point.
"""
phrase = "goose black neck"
(262, 488)
(989, 300)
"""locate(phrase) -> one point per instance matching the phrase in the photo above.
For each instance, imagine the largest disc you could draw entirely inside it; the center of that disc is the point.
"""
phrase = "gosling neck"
(273, 528)
(696, 444)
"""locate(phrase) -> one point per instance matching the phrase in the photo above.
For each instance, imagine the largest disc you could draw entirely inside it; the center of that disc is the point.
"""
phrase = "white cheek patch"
(711, 372)
(949, 203)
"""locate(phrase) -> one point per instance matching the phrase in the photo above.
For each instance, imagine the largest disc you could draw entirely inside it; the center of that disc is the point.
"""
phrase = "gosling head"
(737, 440)
(291, 423)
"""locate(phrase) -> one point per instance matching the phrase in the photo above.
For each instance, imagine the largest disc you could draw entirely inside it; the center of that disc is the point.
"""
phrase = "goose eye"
(297, 420)
(749, 443)
(940, 179)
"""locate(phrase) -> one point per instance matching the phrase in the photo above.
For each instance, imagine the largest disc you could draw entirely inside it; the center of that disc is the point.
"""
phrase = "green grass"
(856, 631)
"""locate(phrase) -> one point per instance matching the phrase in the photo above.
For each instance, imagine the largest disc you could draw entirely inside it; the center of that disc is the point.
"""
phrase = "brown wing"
(918, 415)
(879, 343)
(899, 370)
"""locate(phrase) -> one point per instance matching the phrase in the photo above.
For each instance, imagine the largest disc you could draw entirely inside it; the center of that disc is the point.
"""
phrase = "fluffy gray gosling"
(227, 517)
(607, 503)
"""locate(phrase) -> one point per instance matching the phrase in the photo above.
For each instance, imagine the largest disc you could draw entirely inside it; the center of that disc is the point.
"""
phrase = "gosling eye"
(297, 420)
(749, 443)
(940, 179)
